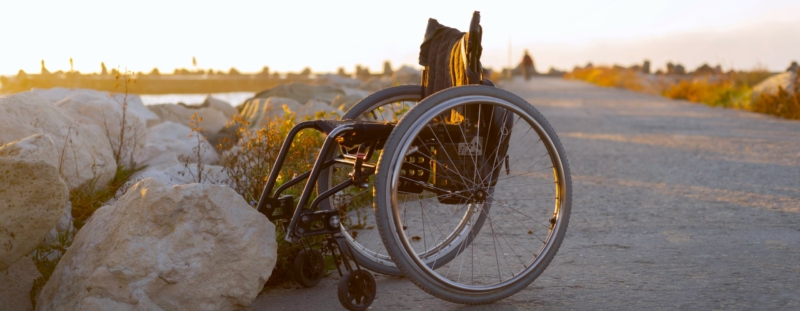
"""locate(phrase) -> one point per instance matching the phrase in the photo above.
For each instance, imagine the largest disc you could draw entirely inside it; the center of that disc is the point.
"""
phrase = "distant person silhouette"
(527, 66)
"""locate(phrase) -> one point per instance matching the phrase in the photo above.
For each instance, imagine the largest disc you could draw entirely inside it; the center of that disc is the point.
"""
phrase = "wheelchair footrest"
(277, 209)
(319, 222)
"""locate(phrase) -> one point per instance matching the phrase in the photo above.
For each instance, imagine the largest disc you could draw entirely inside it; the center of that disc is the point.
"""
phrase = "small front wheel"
(308, 267)
(357, 290)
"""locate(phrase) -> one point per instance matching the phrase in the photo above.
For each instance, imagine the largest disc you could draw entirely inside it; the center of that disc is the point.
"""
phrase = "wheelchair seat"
(363, 131)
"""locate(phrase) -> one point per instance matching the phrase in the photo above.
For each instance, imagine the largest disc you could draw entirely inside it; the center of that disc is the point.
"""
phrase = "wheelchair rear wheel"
(473, 194)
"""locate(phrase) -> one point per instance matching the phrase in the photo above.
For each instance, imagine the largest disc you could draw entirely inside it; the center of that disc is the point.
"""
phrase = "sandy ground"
(675, 206)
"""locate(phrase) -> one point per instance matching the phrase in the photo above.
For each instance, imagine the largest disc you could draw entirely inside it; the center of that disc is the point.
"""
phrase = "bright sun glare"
(326, 35)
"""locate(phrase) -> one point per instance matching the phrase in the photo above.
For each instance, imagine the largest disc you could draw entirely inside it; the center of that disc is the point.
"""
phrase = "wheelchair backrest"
(450, 57)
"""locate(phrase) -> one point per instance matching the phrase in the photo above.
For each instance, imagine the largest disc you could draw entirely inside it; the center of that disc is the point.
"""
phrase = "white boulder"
(15, 285)
(124, 128)
(37, 147)
(302, 92)
(40, 147)
(770, 86)
(377, 83)
(135, 104)
(190, 247)
(84, 153)
(407, 75)
(210, 119)
(312, 107)
(168, 143)
(32, 199)
(177, 174)
(258, 111)
(180, 174)
(220, 105)
(337, 80)
(344, 102)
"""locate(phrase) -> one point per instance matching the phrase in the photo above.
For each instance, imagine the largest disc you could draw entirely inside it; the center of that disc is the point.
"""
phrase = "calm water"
(233, 98)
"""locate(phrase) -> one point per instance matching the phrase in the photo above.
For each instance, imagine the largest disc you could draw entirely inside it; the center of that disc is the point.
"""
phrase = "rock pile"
(213, 120)
(172, 240)
(785, 80)
(84, 150)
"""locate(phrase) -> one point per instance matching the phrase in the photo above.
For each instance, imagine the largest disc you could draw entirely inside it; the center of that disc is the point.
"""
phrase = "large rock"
(124, 127)
(302, 92)
(375, 84)
(15, 285)
(84, 153)
(32, 198)
(135, 104)
(177, 174)
(220, 105)
(37, 147)
(211, 119)
(168, 143)
(347, 100)
(770, 86)
(407, 75)
(191, 247)
(312, 107)
(338, 81)
(259, 111)
(40, 147)
(180, 174)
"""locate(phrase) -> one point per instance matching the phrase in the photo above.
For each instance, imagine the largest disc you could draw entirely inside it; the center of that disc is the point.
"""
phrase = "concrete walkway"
(676, 206)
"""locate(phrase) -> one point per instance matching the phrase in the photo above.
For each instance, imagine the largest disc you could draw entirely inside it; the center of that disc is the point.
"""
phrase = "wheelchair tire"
(530, 210)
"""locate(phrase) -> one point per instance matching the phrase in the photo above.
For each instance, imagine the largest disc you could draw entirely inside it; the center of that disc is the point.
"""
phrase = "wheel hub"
(480, 195)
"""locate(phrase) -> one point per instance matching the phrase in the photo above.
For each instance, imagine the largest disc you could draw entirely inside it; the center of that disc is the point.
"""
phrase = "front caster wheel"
(357, 290)
(308, 268)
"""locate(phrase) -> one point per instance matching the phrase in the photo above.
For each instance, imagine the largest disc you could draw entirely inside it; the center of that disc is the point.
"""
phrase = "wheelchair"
(465, 190)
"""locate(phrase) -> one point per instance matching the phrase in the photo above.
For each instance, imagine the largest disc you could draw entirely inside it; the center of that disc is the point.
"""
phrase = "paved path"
(677, 206)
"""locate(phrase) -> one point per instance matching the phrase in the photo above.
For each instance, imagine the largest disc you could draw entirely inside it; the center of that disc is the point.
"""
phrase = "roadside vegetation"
(729, 90)
(86, 199)
(248, 157)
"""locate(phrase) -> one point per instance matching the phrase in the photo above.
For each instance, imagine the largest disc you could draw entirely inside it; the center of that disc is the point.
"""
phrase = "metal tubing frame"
(276, 168)
(315, 171)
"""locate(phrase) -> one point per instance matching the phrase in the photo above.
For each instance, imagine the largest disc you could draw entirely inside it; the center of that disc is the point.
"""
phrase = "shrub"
(248, 157)
(730, 90)
(609, 77)
(46, 257)
(87, 199)
(783, 104)
(723, 92)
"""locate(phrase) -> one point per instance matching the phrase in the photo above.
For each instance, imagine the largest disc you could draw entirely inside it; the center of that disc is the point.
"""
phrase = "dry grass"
(249, 155)
(730, 90)
(248, 158)
(783, 104)
(608, 77)
(87, 199)
(723, 92)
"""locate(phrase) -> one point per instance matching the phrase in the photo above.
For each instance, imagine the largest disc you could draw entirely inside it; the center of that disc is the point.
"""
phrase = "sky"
(325, 35)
